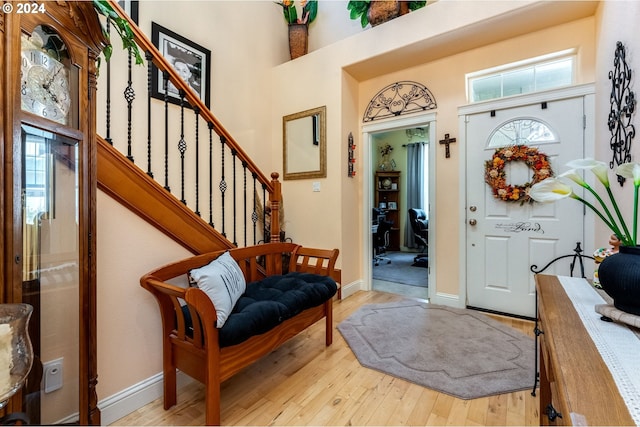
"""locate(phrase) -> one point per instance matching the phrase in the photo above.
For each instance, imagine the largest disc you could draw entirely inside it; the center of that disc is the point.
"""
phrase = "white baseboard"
(352, 288)
(448, 300)
(135, 397)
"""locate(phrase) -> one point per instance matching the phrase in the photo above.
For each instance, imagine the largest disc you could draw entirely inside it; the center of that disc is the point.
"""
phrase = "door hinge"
(584, 121)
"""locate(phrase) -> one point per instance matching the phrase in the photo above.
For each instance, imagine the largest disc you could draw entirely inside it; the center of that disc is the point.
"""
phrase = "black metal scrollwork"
(551, 413)
(576, 256)
(399, 98)
(623, 103)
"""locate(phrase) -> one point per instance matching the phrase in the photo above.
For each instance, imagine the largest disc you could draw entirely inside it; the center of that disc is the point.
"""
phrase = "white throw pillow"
(222, 280)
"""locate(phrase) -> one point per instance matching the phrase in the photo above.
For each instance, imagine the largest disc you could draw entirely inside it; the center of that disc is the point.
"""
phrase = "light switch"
(316, 186)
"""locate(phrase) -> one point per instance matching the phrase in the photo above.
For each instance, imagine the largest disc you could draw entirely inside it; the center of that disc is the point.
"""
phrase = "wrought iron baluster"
(234, 155)
(165, 86)
(182, 147)
(196, 110)
(244, 184)
(149, 58)
(223, 185)
(108, 138)
(254, 213)
(129, 96)
(265, 232)
(211, 175)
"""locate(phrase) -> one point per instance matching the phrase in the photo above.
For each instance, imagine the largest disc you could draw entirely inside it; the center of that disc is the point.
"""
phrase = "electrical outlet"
(53, 373)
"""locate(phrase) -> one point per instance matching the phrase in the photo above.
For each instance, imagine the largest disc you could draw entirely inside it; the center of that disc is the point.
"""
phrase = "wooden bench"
(193, 346)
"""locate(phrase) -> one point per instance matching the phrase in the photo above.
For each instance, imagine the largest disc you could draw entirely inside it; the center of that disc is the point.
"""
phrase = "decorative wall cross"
(446, 141)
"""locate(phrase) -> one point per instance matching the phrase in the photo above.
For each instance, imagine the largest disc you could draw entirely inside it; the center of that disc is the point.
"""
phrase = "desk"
(574, 380)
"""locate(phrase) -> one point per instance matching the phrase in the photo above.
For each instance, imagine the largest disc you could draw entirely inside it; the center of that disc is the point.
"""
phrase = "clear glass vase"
(16, 353)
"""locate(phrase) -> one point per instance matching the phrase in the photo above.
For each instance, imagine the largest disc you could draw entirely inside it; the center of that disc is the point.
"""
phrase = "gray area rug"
(463, 353)
(400, 270)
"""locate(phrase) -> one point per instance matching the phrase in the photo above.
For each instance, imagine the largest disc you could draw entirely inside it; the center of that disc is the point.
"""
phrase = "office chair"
(420, 228)
(381, 242)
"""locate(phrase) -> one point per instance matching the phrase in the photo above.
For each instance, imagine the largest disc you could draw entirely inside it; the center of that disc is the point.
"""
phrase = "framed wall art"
(190, 60)
(131, 8)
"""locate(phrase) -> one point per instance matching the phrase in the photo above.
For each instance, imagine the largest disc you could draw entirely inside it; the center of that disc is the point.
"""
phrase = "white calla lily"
(550, 190)
(574, 176)
(598, 168)
(631, 171)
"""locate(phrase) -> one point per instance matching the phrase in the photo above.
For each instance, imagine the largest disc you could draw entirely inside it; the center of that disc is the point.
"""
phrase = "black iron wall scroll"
(399, 98)
(623, 103)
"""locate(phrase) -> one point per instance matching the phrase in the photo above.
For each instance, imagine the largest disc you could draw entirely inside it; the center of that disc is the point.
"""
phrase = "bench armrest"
(316, 261)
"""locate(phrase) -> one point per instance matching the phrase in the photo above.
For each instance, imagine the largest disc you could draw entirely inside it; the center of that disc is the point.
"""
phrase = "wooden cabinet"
(576, 387)
(387, 198)
(48, 145)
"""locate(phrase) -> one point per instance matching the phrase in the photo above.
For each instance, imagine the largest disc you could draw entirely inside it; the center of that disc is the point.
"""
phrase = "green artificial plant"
(358, 9)
(103, 7)
(290, 12)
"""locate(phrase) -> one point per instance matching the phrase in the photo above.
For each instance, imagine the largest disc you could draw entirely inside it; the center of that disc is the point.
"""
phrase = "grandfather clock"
(48, 58)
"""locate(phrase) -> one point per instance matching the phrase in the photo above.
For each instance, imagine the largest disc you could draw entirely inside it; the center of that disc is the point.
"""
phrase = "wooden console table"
(576, 387)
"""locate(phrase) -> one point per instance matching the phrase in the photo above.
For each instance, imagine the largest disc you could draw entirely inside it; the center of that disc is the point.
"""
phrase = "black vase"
(619, 276)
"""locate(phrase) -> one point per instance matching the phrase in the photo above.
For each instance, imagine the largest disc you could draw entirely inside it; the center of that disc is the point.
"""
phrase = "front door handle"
(472, 222)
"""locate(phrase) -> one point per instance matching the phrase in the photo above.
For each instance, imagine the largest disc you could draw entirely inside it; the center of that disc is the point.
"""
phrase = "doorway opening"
(400, 177)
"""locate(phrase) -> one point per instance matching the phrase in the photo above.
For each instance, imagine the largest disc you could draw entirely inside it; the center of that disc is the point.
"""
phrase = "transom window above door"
(524, 131)
(531, 75)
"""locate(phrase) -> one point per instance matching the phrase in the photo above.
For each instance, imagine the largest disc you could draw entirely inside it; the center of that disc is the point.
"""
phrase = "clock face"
(44, 84)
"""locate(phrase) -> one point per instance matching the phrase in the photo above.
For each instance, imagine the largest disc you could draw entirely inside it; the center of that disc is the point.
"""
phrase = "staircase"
(194, 182)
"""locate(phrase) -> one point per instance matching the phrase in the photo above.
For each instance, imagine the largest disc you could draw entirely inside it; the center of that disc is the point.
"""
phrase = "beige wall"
(617, 21)
(253, 88)
(129, 347)
(322, 75)
(446, 80)
(129, 338)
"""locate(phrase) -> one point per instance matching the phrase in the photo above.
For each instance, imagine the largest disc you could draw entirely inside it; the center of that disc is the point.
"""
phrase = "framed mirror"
(304, 144)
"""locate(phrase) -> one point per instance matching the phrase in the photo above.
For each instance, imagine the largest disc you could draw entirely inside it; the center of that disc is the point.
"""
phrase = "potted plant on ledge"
(378, 11)
(299, 27)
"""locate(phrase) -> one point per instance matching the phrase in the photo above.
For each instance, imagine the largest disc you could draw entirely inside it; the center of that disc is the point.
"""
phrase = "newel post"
(274, 200)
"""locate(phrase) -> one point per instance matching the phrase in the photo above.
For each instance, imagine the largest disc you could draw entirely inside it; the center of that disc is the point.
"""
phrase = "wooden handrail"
(272, 186)
(159, 61)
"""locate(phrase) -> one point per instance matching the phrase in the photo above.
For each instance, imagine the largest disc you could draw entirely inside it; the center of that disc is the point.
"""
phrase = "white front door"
(504, 238)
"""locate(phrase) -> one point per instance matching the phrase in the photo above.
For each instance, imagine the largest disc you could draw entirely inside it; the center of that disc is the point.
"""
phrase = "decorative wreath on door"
(496, 177)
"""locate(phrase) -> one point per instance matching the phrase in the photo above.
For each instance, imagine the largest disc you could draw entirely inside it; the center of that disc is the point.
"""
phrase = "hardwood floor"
(306, 383)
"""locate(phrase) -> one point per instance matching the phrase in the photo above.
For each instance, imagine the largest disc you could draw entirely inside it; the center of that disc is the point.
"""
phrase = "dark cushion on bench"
(269, 302)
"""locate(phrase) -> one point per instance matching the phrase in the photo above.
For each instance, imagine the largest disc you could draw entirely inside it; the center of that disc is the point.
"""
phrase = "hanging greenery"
(103, 7)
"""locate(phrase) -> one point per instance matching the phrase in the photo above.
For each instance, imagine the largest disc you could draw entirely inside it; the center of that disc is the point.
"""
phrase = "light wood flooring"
(306, 383)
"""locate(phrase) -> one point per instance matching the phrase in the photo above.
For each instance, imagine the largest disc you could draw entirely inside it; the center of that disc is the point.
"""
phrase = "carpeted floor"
(463, 353)
(401, 270)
